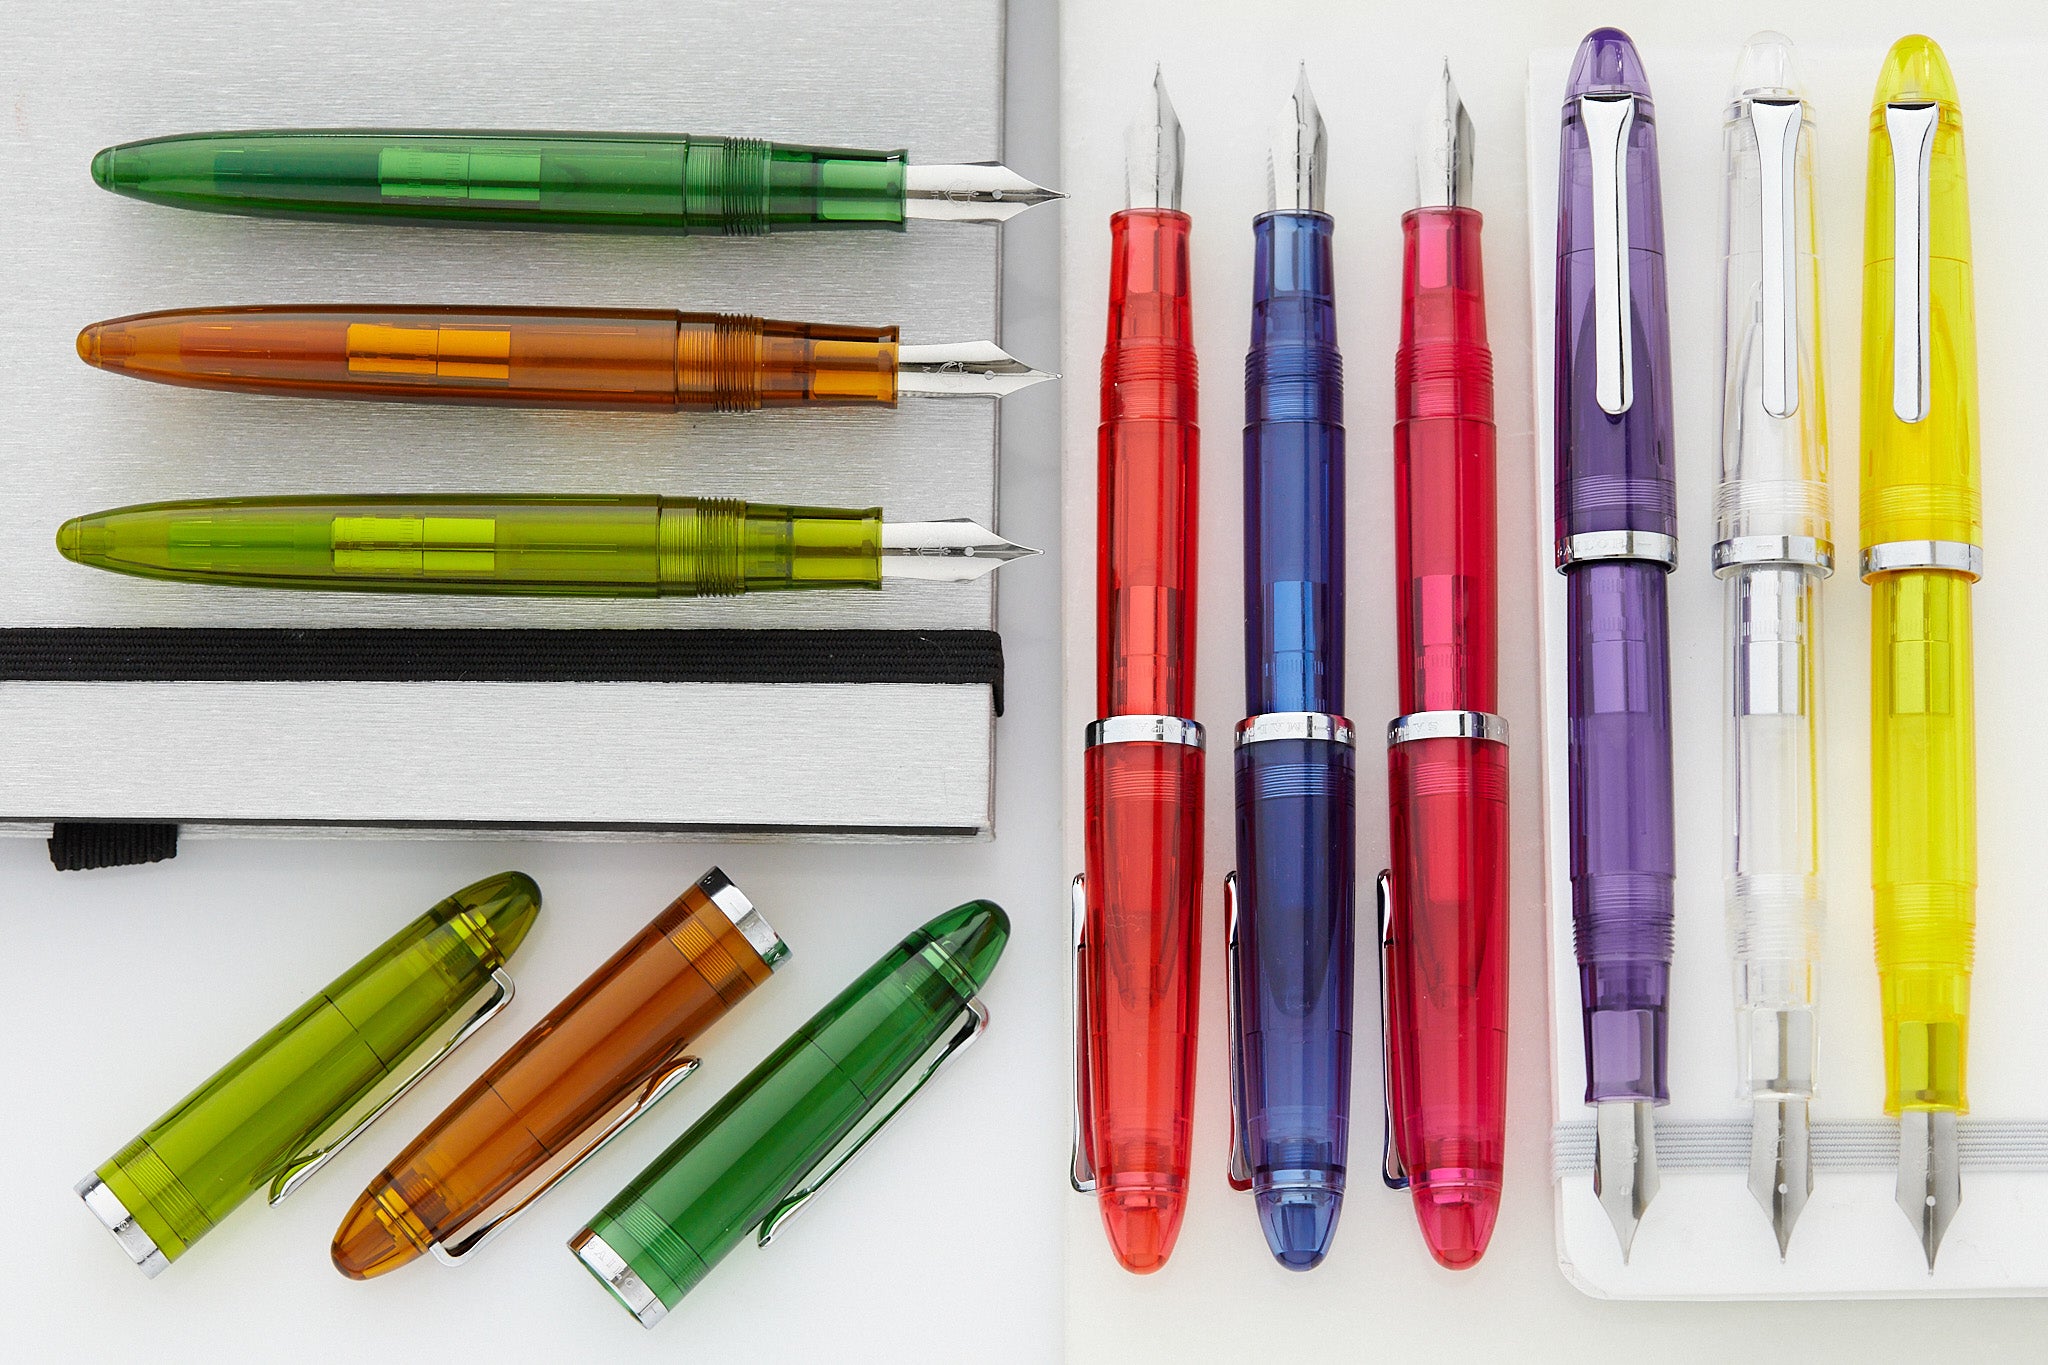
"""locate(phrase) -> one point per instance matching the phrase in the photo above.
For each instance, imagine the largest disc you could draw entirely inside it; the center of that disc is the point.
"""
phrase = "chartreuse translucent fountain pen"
(528, 544)
(758, 1157)
(299, 1094)
(665, 183)
(1922, 549)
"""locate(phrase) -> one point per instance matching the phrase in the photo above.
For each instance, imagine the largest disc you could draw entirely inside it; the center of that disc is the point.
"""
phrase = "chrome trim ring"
(1588, 546)
(115, 1218)
(1733, 553)
(1446, 725)
(1295, 725)
(1144, 730)
(618, 1277)
(1954, 556)
(758, 932)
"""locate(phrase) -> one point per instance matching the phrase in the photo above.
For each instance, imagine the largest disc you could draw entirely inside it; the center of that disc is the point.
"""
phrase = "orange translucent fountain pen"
(543, 357)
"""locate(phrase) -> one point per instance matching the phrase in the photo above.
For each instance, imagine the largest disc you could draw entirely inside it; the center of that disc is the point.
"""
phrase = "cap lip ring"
(1417, 725)
(1298, 725)
(1739, 552)
(1587, 547)
(626, 1286)
(115, 1218)
(1950, 556)
(1144, 729)
(751, 924)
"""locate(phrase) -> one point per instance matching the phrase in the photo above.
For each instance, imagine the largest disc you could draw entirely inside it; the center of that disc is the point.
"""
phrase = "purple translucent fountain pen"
(1616, 540)
(1288, 925)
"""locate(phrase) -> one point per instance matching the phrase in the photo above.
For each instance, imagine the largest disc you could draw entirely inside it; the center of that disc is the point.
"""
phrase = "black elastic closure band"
(80, 846)
(378, 654)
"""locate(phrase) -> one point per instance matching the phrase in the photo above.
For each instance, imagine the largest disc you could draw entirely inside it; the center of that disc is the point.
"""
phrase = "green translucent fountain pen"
(618, 181)
(528, 544)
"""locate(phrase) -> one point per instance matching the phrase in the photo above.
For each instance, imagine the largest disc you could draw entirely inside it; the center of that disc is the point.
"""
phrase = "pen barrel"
(1447, 969)
(1620, 800)
(1774, 893)
(1923, 831)
(1445, 550)
(1141, 973)
(1148, 449)
(1296, 835)
(1294, 473)
(532, 357)
(592, 1061)
(268, 1107)
(731, 186)
(703, 1196)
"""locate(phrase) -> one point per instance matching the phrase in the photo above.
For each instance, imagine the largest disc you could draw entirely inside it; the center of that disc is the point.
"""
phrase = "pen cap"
(1615, 464)
(1920, 478)
(1773, 417)
(297, 1085)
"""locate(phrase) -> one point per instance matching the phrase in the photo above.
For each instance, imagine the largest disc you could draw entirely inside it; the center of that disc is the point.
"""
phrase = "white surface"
(1229, 67)
(1704, 1235)
(120, 990)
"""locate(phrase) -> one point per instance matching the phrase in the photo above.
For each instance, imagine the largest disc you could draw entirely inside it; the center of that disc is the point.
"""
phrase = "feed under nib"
(1443, 164)
(1930, 1175)
(1297, 164)
(955, 551)
(978, 192)
(1152, 153)
(962, 368)
(1781, 1164)
(1625, 1165)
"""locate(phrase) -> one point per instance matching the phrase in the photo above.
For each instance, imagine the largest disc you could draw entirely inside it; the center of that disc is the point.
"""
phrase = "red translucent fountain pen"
(1137, 907)
(1444, 905)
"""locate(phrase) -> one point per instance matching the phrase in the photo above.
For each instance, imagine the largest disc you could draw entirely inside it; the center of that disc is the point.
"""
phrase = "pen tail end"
(1142, 1226)
(1457, 1220)
(380, 1234)
(1300, 1224)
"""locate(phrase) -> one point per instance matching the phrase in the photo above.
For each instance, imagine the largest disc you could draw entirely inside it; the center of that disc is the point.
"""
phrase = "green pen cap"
(295, 1097)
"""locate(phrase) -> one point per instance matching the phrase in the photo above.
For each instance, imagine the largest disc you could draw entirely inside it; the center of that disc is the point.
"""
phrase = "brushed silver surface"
(925, 75)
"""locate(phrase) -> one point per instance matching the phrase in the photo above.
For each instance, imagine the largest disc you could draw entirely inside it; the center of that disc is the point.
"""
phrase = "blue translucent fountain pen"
(1288, 907)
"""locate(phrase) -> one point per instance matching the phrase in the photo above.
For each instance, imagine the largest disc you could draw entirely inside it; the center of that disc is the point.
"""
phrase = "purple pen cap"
(1607, 61)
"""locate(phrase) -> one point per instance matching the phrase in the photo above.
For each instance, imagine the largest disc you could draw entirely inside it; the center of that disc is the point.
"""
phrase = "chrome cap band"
(1587, 546)
(114, 1216)
(1295, 725)
(1955, 556)
(1144, 730)
(758, 932)
(1733, 553)
(618, 1277)
(1446, 725)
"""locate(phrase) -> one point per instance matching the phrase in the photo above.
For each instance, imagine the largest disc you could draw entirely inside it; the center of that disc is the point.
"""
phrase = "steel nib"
(1297, 164)
(1930, 1175)
(978, 192)
(955, 551)
(1443, 165)
(1625, 1165)
(962, 368)
(1152, 153)
(1781, 1164)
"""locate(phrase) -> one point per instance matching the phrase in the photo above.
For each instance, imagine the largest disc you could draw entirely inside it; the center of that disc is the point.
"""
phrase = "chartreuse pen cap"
(289, 1103)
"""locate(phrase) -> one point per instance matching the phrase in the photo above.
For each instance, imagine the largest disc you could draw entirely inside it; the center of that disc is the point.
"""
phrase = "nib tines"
(945, 551)
(962, 368)
(978, 192)
(1930, 1176)
(1625, 1165)
(1152, 153)
(1296, 167)
(1443, 167)
(1781, 1164)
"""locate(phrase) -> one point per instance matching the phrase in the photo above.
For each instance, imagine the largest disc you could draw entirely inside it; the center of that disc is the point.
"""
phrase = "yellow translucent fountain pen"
(1922, 538)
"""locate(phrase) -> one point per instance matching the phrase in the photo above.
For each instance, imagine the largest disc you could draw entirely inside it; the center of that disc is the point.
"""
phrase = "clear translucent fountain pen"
(1773, 548)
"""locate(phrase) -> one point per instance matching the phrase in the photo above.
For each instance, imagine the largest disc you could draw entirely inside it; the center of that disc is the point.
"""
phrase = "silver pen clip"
(1776, 123)
(1081, 1171)
(1392, 1172)
(942, 1054)
(1607, 120)
(1240, 1173)
(475, 1233)
(1911, 126)
(324, 1147)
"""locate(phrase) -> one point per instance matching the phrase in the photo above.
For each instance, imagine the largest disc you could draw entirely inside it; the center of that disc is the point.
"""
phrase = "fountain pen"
(1617, 531)
(635, 358)
(592, 181)
(530, 544)
(1922, 550)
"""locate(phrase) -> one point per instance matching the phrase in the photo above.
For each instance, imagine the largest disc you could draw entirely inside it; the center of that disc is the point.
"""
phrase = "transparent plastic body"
(534, 357)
